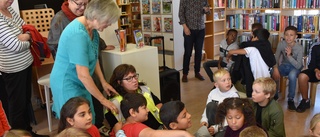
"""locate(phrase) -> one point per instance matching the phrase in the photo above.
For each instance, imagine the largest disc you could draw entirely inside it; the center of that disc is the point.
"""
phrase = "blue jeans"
(289, 70)
(212, 63)
(195, 39)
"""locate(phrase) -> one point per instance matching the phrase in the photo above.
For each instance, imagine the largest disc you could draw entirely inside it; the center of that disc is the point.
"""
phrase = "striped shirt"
(191, 13)
(15, 55)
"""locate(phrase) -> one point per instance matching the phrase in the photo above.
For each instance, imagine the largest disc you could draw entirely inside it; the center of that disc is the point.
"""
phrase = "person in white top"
(258, 65)
(224, 89)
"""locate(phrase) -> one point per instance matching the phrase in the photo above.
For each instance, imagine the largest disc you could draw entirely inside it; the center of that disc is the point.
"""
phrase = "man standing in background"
(191, 15)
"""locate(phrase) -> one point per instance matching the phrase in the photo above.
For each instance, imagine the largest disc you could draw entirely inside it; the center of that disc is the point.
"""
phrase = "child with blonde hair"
(224, 89)
(253, 131)
(73, 132)
(314, 129)
(268, 112)
(17, 133)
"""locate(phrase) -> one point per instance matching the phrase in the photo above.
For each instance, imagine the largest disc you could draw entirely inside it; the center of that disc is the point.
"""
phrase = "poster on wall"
(146, 23)
(156, 21)
(167, 23)
(156, 6)
(145, 4)
(166, 6)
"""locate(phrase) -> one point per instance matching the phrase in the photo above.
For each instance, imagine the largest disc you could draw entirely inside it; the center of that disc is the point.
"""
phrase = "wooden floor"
(194, 95)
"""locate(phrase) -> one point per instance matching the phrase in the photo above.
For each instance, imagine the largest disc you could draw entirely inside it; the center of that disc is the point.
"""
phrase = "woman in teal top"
(77, 57)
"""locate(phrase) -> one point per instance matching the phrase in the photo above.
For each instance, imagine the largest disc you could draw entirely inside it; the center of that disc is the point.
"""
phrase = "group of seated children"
(255, 59)
(242, 116)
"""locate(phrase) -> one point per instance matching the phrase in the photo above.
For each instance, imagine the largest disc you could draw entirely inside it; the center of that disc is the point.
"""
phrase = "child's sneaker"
(291, 105)
(104, 131)
(304, 104)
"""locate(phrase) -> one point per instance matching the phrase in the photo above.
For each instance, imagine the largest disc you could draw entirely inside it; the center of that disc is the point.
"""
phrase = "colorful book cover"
(167, 24)
(139, 38)
(166, 6)
(145, 6)
(156, 23)
(146, 21)
(156, 7)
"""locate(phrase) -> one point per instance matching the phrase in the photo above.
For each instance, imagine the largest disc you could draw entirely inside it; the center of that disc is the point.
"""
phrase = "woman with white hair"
(77, 57)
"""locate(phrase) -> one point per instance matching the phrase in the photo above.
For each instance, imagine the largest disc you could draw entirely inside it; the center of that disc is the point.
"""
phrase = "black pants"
(18, 98)
(195, 39)
(98, 107)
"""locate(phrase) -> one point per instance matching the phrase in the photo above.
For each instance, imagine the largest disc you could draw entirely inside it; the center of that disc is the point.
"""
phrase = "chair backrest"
(40, 18)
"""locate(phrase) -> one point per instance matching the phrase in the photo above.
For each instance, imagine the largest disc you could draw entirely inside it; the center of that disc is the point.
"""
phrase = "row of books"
(242, 4)
(301, 4)
(157, 23)
(244, 21)
(156, 6)
(304, 23)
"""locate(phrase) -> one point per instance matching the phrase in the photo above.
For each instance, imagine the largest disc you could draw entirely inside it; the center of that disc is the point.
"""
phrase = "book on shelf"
(166, 6)
(304, 23)
(138, 38)
(156, 6)
(146, 23)
(145, 6)
(156, 23)
(216, 16)
(167, 24)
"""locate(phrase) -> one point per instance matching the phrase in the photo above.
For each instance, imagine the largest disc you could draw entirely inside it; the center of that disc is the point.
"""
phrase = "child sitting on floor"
(224, 89)
(134, 110)
(268, 112)
(239, 114)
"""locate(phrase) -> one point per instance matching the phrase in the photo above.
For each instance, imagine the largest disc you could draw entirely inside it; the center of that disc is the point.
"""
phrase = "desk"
(145, 60)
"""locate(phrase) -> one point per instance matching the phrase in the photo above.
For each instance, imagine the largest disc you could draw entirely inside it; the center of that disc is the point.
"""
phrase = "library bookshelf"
(274, 15)
(130, 17)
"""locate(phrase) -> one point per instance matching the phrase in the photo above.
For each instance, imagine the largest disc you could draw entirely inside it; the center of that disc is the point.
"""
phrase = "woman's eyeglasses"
(80, 4)
(129, 79)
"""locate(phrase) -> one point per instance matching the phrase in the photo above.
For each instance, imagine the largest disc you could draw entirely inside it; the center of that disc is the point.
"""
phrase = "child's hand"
(288, 51)
(117, 127)
(204, 124)
(109, 89)
(211, 130)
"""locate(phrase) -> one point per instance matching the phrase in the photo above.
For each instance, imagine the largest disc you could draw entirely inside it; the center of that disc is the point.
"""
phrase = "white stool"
(45, 82)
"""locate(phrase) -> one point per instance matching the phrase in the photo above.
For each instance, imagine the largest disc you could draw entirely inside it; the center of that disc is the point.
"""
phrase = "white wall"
(108, 34)
(177, 36)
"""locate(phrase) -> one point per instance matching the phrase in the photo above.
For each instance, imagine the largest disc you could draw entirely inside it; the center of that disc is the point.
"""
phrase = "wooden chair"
(40, 18)
(313, 91)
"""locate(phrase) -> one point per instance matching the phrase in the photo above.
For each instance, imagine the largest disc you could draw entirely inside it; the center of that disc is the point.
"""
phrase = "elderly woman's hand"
(24, 37)
(109, 89)
(108, 104)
